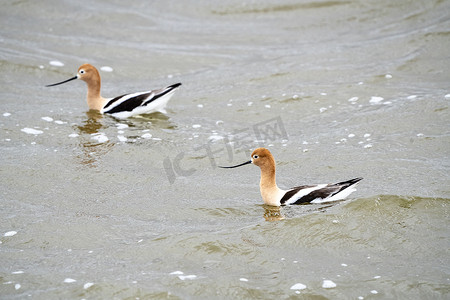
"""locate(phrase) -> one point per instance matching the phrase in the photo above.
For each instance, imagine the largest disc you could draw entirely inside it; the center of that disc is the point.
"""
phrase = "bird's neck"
(94, 100)
(268, 186)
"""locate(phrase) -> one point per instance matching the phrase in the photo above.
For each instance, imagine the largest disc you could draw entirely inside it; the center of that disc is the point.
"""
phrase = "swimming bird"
(273, 195)
(123, 106)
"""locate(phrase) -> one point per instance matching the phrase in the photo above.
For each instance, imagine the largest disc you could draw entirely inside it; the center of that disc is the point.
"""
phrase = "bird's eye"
(82, 72)
(255, 156)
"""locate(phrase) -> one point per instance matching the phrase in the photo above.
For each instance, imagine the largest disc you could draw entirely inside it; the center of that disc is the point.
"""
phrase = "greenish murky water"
(98, 208)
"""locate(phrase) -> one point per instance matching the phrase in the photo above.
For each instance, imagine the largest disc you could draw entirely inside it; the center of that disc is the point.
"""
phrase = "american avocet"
(273, 195)
(123, 106)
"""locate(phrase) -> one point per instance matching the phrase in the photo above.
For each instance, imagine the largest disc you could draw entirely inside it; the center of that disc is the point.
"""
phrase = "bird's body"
(123, 106)
(273, 195)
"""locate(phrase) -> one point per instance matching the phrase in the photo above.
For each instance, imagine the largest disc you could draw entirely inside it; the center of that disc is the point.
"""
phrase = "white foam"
(17, 286)
(146, 136)
(412, 97)
(295, 97)
(56, 63)
(328, 284)
(374, 292)
(18, 272)
(366, 135)
(69, 280)
(388, 76)
(48, 119)
(351, 135)
(10, 233)
(59, 122)
(106, 69)
(353, 99)
(243, 279)
(200, 105)
(88, 285)
(99, 137)
(322, 109)
(31, 131)
(73, 135)
(375, 99)
(121, 126)
(189, 277)
(215, 138)
(176, 273)
(368, 146)
(196, 126)
(344, 265)
(298, 286)
(447, 96)
(122, 138)
(267, 106)
(6, 114)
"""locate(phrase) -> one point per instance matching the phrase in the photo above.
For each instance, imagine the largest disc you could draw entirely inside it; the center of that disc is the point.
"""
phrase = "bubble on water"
(187, 277)
(99, 137)
(177, 273)
(88, 285)
(48, 119)
(267, 106)
(295, 97)
(388, 76)
(17, 286)
(376, 100)
(31, 131)
(106, 69)
(56, 63)
(328, 284)
(215, 138)
(298, 286)
(10, 233)
(200, 105)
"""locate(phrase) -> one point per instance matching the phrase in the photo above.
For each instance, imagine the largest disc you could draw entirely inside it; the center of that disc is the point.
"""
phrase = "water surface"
(98, 208)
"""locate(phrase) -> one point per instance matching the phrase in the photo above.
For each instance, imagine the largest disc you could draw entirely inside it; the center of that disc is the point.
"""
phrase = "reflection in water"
(92, 124)
(272, 213)
(92, 148)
